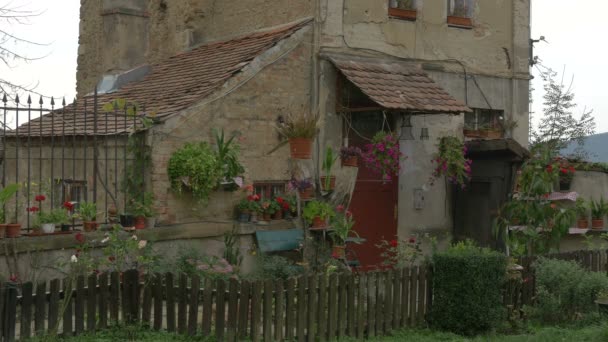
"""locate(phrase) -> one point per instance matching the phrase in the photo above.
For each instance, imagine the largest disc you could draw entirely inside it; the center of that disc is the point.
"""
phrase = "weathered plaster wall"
(246, 106)
(166, 28)
(495, 51)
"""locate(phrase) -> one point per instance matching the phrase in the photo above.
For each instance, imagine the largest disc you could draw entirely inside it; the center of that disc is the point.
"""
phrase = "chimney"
(125, 35)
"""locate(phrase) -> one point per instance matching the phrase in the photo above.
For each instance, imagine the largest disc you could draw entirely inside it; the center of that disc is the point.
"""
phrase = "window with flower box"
(460, 13)
(403, 9)
(269, 189)
(483, 123)
(68, 190)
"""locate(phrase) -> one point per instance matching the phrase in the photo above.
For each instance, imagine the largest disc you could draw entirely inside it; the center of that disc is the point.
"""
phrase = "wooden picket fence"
(305, 308)
(308, 308)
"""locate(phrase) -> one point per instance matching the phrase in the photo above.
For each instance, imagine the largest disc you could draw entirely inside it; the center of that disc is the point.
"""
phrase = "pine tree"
(559, 126)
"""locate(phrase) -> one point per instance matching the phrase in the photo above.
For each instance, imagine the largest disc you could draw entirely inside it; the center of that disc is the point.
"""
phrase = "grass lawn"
(588, 334)
(548, 334)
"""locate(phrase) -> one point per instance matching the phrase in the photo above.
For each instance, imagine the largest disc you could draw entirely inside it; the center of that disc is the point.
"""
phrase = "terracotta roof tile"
(171, 86)
(396, 85)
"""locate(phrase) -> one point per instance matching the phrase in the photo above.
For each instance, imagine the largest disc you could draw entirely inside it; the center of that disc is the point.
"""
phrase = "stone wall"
(167, 28)
(248, 107)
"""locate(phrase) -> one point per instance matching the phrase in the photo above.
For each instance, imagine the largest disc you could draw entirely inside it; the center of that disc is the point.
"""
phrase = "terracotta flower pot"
(351, 161)
(318, 222)
(266, 217)
(332, 183)
(301, 148)
(338, 252)
(472, 133)
(2, 230)
(307, 194)
(89, 226)
(582, 223)
(13, 230)
(278, 215)
(597, 224)
(140, 222)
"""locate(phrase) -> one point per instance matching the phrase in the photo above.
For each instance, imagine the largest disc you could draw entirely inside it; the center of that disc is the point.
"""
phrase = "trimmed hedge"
(467, 284)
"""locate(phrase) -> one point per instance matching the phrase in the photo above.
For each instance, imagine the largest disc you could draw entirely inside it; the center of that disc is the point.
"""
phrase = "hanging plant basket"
(301, 148)
(307, 193)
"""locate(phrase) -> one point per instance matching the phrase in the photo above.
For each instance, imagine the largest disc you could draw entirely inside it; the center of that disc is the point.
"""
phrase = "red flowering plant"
(283, 203)
(382, 156)
(566, 172)
(400, 253)
(451, 161)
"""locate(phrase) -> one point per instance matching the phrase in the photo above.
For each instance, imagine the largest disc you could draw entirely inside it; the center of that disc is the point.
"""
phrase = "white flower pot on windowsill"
(48, 228)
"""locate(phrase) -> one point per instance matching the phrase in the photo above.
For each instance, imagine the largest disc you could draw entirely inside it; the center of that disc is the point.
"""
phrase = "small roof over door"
(397, 85)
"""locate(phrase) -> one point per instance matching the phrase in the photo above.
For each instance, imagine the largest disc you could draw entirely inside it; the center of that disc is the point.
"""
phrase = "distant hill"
(595, 145)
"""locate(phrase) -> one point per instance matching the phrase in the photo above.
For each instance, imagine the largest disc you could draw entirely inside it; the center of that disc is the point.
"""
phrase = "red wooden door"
(374, 202)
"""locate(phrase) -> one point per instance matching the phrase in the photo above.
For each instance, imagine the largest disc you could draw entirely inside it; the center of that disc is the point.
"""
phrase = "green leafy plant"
(5, 195)
(564, 291)
(87, 211)
(317, 209)
(599, 209)
(342, 224)
(191, 262)
(543, 223)
(328, 163)
(57, 216)
(227, 156)
(274, 267)
(270, 207)
(467, 284)
(451, 161)
(143, 206)
(126, 252)
(232, 252)
(400, 253)
(194, 167)
(582, 208)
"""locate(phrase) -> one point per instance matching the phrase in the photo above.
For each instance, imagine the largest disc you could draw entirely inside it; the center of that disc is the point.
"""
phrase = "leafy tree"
(559, 125)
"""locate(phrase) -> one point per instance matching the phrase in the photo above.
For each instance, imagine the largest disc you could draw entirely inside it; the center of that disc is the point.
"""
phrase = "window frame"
(268, 189)
(402, 13)
(460, 21)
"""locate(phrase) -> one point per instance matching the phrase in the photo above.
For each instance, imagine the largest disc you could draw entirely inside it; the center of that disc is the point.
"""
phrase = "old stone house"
(364, 65)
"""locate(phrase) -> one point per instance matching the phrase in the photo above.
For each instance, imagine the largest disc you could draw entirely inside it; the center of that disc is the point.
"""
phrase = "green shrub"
(467, 284)
(564, 291)
(274, 267)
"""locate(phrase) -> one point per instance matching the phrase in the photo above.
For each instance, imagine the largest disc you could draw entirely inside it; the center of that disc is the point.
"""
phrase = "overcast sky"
(576, 32)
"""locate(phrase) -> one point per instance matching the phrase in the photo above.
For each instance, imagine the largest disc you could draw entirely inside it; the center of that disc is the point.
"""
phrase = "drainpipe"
(315, 80)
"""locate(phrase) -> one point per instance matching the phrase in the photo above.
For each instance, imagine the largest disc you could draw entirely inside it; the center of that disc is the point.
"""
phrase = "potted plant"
(470, 131)
(5, 195)
(508, 126)
(303, 187)
(269, 208)
(88, 214)
(292, 211)
(299, 130)
(566, 173)
(382, 156)
(602, 302)
(47, 221)
(349, 155)
(328, 182)
(127, 220)
(317, 213)
(582, 209)
(598, 210)
(342, 226)
(256, 209)
(143, 209)
(282, 206)
(244, 208)
(451, 161)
